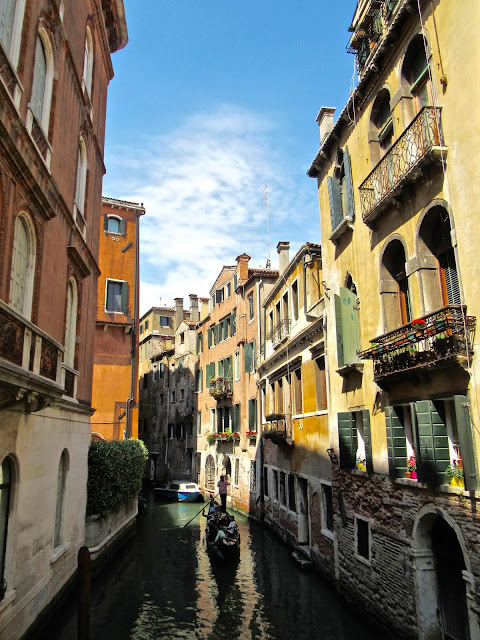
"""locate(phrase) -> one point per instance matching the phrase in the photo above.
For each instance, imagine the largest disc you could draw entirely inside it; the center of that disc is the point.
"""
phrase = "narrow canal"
(162, 584)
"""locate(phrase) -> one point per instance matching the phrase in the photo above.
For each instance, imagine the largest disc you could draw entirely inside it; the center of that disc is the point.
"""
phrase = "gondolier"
(222, 485)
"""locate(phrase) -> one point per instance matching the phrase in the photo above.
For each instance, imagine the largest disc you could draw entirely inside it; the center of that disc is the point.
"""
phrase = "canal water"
(162, 585)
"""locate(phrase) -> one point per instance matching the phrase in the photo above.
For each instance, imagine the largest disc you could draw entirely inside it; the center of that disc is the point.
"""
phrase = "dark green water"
(162, 584)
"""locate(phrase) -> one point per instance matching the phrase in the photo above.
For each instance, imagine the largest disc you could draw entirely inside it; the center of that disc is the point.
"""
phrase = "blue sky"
(211, 101)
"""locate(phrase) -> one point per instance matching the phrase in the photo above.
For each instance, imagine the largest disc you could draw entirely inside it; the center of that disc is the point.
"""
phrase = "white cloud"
(203, 189)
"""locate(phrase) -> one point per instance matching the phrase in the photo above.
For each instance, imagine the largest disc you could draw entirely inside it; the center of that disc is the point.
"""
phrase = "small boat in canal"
(179, 491)
(221, 534)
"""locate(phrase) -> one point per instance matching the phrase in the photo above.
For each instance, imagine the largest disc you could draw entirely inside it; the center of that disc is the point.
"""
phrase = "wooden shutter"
(338, 323)
(335, 201)
(254, 355)
(348, 185)
(236, 417)
(234, 322)
(350, 326)
(432, 452)
(367, 438)
(105, 222)
(228, 367)
(347, 440)
(218, 295)
(248, 357)
(125, 297)
(451, 277)
(235, 281)
(122, 226)
(252, 417)
(396, 443)
(464, 428)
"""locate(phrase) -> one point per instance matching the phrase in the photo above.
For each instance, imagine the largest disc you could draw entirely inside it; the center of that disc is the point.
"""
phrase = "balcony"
(419, 146)
(221, 387)
(30, 364)
(436, 340)
(280, 332)
(278, 429)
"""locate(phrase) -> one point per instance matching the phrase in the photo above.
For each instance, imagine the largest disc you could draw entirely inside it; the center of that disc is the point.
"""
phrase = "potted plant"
(412, 468)
(455, 472)
(361, 464)
(251, 434)
(419, 327)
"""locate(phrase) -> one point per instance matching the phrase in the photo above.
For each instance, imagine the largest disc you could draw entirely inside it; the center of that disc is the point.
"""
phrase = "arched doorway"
(443, 578)
(227, 468)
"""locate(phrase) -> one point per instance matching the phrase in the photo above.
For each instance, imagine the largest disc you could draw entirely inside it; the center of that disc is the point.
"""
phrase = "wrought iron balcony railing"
(421, 141)
(280, 332)
(279, 429)
(433, 340)
(38, 358)
(221, 387)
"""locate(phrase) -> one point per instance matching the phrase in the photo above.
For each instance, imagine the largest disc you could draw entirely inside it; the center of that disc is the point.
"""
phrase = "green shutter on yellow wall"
(350, 326)
(348, 186)
(432, 452)
(367, 439)
(396, 443)
(338, 323)
(335, 202)
(464, 429)
(347, 439)
(248, 357)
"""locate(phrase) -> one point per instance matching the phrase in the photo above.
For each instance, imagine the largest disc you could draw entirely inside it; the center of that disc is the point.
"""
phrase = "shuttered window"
(335, 202)
(396, 442)
(347, 325)
(464, 429)
(340, 192)
(117, 297)
(236, 417)
(252, 415)
(248, 357)
(432, 451)
(449, 277)
(348, 438)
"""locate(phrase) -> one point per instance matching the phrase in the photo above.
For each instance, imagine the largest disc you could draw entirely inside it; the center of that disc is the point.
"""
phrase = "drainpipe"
(134, 335)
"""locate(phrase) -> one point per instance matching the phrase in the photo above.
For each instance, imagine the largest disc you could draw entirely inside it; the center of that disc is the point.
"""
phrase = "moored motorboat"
(180, 491)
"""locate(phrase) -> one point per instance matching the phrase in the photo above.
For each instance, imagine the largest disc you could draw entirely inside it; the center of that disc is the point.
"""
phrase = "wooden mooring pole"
(83, 595)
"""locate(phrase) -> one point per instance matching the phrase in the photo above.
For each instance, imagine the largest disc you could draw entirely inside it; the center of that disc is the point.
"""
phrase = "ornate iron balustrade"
(422, 137)
(221, 387)
(279, 430)
(431, 340)
(280, 332)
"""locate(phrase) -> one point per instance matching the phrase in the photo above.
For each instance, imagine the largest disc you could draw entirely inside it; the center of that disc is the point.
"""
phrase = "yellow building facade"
(397, 194)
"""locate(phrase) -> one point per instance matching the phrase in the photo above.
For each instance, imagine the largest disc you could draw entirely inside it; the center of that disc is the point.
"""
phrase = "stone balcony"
(419, 146)
(280, 332)
(437, 340)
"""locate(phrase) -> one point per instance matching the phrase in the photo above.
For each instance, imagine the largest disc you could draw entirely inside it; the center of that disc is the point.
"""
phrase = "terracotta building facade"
(55, 69)
(115, 366)
(398, 247)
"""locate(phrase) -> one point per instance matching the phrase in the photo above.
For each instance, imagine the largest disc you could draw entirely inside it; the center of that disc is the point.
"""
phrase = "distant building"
(398, 189)
(55, 69)
(115, 365)
(228, 343)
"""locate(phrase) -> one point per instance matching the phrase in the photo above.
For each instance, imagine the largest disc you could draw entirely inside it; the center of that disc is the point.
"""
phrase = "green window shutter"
(105, 223)
(248, 357)
(228, 367)
(338, 323)
(252, 415)
(451, 278)
(348, 185)
(432, 452)
(218, 295)
(123, 226)
(209, 336)
(347, 440)
(235, 281)
(335, 201)
(396, 443)
(125, 297)
(464, 427)
(236, 417)
(367, 438)
(350, 326)
(254, 355)
(221, 371)
(234, 322)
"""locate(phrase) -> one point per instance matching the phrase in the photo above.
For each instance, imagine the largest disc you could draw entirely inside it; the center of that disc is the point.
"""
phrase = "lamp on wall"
(332, 455)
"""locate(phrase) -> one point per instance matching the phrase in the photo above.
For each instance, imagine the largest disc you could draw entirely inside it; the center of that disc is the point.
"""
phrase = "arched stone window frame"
(87, 75)
(21, 293)
(426, 263)
(393, 314)
(378, 134)
(107, 226)
(43, 114)
(409, 89)
(71, 323)
(12, 46)
(81, 184)
(63, 467)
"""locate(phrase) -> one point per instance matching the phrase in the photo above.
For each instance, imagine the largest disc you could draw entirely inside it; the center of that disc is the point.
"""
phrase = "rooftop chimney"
(194, 312)
(325, 122)
(178, 312)
(283, 253)
(242, 267)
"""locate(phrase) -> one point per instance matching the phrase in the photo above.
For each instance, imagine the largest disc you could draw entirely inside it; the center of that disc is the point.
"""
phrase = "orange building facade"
(115, 369)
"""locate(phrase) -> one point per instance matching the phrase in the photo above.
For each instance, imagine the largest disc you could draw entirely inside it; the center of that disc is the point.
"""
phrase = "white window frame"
(71, 323)
(107, 282)
(24, 306)
(48, 86)
(81, 182)
(87, 74)
(13, 52)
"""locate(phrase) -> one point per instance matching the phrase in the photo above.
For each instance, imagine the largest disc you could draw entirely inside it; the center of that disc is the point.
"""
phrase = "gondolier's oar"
(197, 514)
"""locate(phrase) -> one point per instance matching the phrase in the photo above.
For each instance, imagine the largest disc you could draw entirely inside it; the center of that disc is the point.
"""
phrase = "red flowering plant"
(419, 323)
(412, 464)
(252, 433)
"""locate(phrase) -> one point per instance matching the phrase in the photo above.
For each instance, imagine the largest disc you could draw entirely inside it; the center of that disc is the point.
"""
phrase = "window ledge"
(58, 552)
(348, 368)
(362, 559)
(359, 472)
(328, 534)
(343, 227)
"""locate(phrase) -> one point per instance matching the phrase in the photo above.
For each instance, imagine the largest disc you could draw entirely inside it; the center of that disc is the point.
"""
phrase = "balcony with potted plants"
(221, 387)
(439, 339)
(223, 436)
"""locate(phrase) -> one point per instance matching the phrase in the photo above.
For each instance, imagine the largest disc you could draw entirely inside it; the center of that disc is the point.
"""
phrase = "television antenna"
(265, 191)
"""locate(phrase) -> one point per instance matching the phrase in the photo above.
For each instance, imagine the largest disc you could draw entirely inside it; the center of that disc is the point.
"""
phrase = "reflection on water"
(163, 584)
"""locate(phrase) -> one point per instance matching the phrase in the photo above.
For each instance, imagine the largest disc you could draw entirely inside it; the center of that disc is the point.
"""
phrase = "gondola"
(226, 548)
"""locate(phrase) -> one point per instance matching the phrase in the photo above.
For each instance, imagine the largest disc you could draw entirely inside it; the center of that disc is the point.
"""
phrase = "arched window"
(435, 239)
(11, 22)
(42, 81)
(81, 177)
(88, 64)
(71, 324)
(394, 286)
(23, 267)
(61, 482)
(382, 122)
(6, 477)
(113, 224)
(415, 72)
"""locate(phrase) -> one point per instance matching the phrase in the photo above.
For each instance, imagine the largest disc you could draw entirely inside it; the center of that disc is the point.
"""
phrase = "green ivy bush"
(115, 472)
